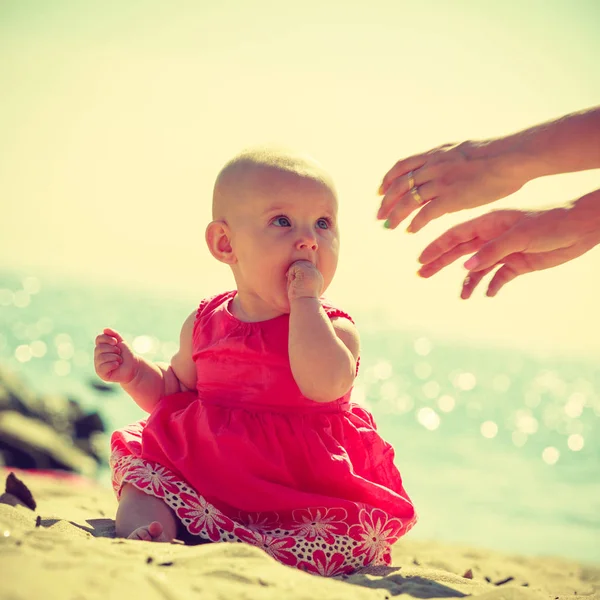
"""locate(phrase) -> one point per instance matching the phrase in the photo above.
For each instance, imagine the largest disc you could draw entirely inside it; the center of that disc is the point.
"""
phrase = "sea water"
(497, 448)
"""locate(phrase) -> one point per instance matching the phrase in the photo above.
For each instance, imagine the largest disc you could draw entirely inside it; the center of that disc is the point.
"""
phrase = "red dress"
(247, 458)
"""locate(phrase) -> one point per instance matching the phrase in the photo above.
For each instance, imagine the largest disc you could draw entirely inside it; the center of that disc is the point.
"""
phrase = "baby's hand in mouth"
(304, 280)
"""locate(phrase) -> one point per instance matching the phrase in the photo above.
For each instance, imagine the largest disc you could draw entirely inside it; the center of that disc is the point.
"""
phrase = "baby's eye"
(323, 224)
(282, 222)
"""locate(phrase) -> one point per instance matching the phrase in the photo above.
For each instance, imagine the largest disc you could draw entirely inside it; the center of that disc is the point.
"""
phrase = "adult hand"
(448, 178)
(519, 242)
(456, 176)
(304, 280)
(113, 359)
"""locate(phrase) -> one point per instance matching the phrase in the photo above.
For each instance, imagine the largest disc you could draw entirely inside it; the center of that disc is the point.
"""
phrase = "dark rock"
(87, 424)
(35, 445)
(47, 431)
(96, 446)
(18, 489)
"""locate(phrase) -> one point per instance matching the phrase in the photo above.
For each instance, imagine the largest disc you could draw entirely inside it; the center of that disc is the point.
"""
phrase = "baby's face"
(288, 218)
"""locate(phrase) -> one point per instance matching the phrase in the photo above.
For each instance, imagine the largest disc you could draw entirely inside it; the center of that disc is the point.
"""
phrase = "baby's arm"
(144, 381)
(323, 353)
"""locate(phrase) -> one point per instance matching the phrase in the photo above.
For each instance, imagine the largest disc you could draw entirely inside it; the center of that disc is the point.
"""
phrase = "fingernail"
(380, 191)
(471, 263)
(387, 224)
(410, 229)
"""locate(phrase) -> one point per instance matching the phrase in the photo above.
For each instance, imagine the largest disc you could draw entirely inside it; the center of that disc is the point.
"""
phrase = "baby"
(252, 436)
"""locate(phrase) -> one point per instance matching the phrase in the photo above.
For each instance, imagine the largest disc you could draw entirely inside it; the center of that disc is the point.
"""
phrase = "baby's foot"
(153, 532)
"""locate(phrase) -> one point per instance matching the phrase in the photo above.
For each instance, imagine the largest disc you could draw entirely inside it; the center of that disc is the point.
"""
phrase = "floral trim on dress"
(318, 540)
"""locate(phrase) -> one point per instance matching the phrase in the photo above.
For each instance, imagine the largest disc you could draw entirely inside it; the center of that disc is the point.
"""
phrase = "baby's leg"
(144, 517)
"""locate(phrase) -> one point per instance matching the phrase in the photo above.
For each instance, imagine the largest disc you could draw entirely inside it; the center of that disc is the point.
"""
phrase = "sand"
(66, 549)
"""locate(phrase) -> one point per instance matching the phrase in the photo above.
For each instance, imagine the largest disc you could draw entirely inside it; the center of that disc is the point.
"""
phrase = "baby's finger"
(431, 268)
(109, 357)
(412, 163)
(299, 267)
(102, 349)
(113, 333)
(472, 281)
(105, 370)
(105, 339)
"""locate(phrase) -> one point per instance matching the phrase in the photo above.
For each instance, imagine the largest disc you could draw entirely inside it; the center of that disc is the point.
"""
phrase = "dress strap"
(334, 312)
(207, 305)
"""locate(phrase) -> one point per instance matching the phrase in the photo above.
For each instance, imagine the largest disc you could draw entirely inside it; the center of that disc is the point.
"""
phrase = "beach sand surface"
(66, 549)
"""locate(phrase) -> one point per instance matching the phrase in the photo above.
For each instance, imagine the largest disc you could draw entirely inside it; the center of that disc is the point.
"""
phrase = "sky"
(117, 116)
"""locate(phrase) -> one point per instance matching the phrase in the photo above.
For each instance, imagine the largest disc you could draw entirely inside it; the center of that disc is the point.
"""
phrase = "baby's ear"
(219, 242)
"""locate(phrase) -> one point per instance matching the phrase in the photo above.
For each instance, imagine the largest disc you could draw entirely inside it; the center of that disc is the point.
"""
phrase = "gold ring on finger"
(415, 194)
(411, 180)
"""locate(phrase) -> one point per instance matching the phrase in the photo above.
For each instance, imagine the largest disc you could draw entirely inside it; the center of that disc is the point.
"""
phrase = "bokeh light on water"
(489, 429)
(428, 418)
(497, 447)
(446, 403)
(551, 455)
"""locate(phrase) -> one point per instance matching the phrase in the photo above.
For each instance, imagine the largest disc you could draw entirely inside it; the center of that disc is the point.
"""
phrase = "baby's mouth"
(299, 260)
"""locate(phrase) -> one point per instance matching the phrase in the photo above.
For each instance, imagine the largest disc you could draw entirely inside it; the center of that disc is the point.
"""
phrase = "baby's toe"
(141, 533)
(155, 529)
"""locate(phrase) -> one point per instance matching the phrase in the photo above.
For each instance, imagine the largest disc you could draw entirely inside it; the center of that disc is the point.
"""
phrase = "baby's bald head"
(263, 172)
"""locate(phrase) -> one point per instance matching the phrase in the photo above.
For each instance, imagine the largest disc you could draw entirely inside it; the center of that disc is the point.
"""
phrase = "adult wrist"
(506, 157)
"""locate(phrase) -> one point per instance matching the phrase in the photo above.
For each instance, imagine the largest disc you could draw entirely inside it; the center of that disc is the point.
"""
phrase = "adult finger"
(498, 250)
(412, 163)
(455, 236)
(501, 277)
(431, 268)
(408, 203)
(438, 207)
(514, 265)
(399, 187)
(471, 281)
(486, 227)
(521, 264)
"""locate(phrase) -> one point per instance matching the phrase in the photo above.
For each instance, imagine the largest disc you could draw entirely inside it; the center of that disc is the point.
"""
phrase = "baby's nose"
(307, 241)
